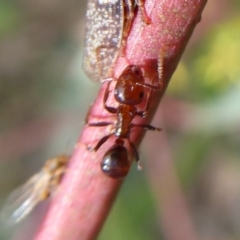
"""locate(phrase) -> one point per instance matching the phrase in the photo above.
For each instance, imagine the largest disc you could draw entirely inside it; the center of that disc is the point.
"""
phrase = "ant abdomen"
(116, 163)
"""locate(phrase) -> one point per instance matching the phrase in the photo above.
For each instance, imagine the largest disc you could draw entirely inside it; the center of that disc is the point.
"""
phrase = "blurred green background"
(190, 183)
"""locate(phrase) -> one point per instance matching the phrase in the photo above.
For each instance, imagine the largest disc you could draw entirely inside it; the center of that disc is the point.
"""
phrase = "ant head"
(129, 87)
(116, 162)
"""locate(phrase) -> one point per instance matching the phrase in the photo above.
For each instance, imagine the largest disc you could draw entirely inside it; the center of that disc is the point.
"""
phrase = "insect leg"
(134, 151)
(146, 127)
(99, 144)
(160, 61)
(99, 124)
(144, 15)
(128, 20)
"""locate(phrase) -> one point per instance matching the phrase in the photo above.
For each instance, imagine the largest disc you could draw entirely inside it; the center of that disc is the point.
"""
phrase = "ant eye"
(141, 95)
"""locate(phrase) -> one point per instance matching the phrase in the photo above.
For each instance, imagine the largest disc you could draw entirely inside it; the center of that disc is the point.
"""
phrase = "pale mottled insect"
(108, 24)
(38, 188)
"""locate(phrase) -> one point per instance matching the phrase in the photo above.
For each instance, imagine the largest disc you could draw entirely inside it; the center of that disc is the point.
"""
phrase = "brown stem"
(86, 195)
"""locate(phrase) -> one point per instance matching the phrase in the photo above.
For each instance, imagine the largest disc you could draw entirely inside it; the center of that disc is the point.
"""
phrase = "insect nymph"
(39, 187)
(107, 28)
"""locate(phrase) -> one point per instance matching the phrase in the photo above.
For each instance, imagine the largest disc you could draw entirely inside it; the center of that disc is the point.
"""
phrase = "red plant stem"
(86, 195)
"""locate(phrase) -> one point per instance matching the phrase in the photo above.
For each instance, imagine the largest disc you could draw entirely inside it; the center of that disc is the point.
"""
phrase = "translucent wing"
(23, 199)
(103, 37)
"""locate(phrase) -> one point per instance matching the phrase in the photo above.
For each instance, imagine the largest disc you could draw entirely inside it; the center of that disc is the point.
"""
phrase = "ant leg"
(99, 124)
(108, 108)
(99, 144)
(105, 98)
(103, 139)
(144, 15)
(136, 155)
(134, 151)
(160, 74)
(146, 127)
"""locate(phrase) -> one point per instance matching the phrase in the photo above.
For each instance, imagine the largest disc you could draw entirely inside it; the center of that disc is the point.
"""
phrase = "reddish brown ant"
(128, 92)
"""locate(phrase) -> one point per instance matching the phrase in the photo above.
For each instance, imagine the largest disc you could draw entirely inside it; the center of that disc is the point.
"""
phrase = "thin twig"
(86, 195)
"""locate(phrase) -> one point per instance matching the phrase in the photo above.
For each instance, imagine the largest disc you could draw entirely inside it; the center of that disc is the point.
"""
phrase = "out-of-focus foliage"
(213, 67)
(44, 97)
(10, 17)
(218, 62)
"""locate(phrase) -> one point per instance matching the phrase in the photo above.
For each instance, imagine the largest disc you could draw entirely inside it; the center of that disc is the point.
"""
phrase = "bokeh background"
(190, 183)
